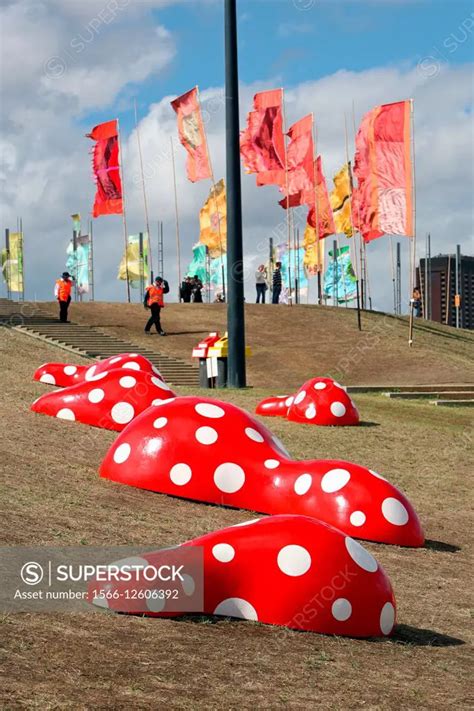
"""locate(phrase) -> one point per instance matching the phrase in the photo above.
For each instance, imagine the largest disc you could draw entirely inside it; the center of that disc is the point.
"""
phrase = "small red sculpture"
(64, 374)
(320, 401)
(212, 451)
(282, 570)
(108, 399)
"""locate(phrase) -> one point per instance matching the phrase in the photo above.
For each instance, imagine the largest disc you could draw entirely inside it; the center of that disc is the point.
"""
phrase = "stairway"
(441, 395)
(88, 342)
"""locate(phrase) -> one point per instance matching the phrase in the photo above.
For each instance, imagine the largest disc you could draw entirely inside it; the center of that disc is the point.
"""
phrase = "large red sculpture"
(108, 399)
(213, 451)
(65, 374)
(320, 401)
(283, 570)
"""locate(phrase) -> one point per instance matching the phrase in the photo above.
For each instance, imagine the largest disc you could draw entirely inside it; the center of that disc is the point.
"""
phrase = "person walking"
(154, 300)
(276, 284)
(62, 292)
(261, 283)
(197, 290)
(186, 290)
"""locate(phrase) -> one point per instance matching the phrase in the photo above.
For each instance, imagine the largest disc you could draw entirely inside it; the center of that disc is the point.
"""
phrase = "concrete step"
(465, 387)
(446, 395)
(453, 403)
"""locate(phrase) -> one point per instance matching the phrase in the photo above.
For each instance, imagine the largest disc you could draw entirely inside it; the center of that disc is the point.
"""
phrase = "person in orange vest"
(62, 292)
(154, 300)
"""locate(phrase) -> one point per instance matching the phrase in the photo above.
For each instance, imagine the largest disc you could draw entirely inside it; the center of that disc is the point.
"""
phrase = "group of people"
(262, 283)
(191, 290)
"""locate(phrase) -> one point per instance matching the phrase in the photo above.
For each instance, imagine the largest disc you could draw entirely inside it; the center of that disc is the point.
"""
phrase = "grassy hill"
(291, 344)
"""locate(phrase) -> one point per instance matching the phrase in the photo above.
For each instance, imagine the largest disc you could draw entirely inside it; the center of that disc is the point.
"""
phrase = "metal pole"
(448, 289)
(124, 214)
(74, 252)
(162, 251)
(145, 203)
(335, 296)
(399, 279)
(7, 247)
(235, 282)
(91, 262)
(178, 246)
(429, 290)
(288, 214)
(457, 297)
(413, 188)
(298, 265)
(141, 266)
(21, 261)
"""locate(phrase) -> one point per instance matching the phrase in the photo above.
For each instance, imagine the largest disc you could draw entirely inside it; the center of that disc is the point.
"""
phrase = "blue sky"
(280, 40)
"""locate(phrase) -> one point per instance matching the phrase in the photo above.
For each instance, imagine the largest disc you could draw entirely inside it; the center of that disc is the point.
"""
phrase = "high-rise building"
(439, 300)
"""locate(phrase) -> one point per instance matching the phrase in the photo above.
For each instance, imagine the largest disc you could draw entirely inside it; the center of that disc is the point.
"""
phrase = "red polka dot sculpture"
(213, 451)
(108, 399)
(283, 570)
(65, 374)
(320, 401)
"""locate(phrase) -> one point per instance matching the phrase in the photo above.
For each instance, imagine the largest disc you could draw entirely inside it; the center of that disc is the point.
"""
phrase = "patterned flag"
(325, 216)
(77, 262)
(340, 200)
(313, 251)
(199, 264)
(383, 167)
(12, 262)
(192, 135)
(339, 279)
(105, 164)
(300, 154)
(137, 264)
(262, 144)
(213, 221)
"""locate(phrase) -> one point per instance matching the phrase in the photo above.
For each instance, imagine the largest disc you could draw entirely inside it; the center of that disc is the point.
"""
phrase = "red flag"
(192, 135)
(300, 164)
(105, 164)
(383, 198)
(325, 215)
(262, 143)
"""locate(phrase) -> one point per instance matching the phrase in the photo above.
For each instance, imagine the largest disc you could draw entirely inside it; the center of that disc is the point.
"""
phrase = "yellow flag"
(136, 270)
(313, 251)
(213, 221)
(12, 262)
(340, 200)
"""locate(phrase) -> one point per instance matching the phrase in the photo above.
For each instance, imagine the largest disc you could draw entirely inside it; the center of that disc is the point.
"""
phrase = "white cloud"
(46, 173)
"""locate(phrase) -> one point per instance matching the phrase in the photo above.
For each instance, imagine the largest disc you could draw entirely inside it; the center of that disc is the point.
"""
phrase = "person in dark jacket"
(154, 300)
(276, 284)
(186, 290)
(196, 286)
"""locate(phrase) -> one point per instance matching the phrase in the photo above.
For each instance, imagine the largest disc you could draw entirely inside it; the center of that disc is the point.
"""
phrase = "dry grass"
(52, 495)
(292, 344)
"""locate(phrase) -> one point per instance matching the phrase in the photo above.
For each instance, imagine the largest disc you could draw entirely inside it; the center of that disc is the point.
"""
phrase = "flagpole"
(145, 204)
(215, 198)
(448, 287)
(316, 205)
(288, 216)
(392, 267)
(354, 249)
(176, 215)
(91, 261)
(124, 214)
(413, 188)
(363, 262)
(21, 265)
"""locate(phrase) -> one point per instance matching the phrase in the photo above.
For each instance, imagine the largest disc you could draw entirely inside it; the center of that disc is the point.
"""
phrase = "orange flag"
(192, 135)
(262, 144)
(383, 166)
(105, 164)
(325, 215)
(300, 164)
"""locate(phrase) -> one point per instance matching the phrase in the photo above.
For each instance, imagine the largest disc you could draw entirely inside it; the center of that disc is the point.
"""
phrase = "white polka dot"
(133, 355)
(132, 365)
(341, 609)
(229, 477)
(387, 618)
(96, 395)
(90, 372)
(338, 409)
(310, 413)
(357, 518)
(189, 586)
(289, 401)
(223, 552)
(127, 381)
(379, 476)
(271, 463)
(247, 523)
(156, 381)
(163, 385)
(114, 360)
(236, 607)
(180, 474)
(294, 560)
(300, 397)
(122, 453)
(334, 480)
(253, 434)
(394, 511)
(279, 444)
(206, 435)
(361, 556)
(70, 369)
(158, 401)
(154, 602)
(99, 376)
(206, 409)
(303, 484)
(160, 422)
(122, 412)
(319, 386)
(48, 378)
(155, 370)
(66, 414)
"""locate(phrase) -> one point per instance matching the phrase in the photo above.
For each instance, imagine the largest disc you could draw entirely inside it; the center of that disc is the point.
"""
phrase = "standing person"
(416, 299)
(154, 300)
(186, 290)
(276, 284)
(197, 290)
(62, 292)
(261, 283)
